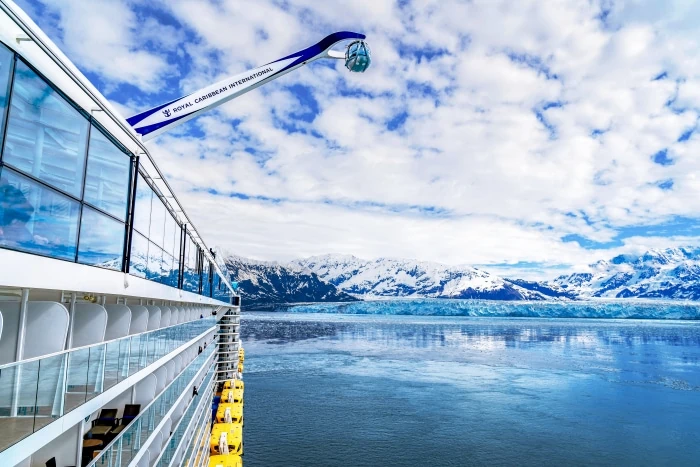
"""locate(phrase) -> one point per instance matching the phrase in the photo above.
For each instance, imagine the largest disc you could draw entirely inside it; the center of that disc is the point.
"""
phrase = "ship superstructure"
(112, 308)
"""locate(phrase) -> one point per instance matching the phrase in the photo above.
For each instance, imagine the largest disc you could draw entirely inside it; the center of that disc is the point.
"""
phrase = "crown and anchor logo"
(166, 112)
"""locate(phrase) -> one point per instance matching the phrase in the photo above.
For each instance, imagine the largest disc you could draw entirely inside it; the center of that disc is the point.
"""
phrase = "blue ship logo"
(166, 112)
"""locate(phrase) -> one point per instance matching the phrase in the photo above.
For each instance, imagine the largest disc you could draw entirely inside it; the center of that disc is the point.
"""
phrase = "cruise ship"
(118, 324)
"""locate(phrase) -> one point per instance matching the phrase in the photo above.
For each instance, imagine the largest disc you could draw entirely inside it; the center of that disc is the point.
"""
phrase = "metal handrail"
(122, 124)
(74, 349)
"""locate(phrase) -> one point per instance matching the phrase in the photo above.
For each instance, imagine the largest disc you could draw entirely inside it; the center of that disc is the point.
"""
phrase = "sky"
(528, 138)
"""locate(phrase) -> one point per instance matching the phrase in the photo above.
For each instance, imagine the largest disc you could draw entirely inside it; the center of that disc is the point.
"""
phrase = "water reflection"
(636, 348)
(470, 391)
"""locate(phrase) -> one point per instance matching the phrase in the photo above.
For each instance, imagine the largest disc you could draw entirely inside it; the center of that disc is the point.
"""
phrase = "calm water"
(325, 390)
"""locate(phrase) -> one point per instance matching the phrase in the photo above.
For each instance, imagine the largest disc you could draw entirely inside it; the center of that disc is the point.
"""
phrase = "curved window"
(107, 176)
(101, 240)
(35, 218)
(46, 136)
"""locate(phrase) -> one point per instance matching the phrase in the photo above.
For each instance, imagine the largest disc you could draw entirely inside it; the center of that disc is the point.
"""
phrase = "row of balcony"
(36, 392)
(148, 430)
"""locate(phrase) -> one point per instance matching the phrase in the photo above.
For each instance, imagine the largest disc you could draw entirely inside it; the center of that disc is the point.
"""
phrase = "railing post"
(128, 358)
(19, 351)
(120, 445)
(99, 384)
(62, 387)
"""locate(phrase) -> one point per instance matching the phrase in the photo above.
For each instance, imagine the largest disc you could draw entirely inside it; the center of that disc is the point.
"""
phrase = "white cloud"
(107, 37)
(500, 100)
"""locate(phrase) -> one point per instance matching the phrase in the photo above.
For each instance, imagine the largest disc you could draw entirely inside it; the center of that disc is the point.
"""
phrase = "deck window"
(139, 255)
(101, 240)
(35, 218)
(107, 179)
(46, 136)
(158, 213)
(175, 272)
(167, 271)
(142, 207)
(191, 275)
(172, 235)
(159, 255)
(155, 262)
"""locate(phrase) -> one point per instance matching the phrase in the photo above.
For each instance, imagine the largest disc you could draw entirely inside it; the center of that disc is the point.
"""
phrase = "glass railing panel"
(126, 447)
(76, 389)
(151, 346)
(113, 457)
(49, 390)
(17, 402)
(164, 343)
(96, 368)
(112, 370)
(147, 425)
(137, 349)
(159, 344)
(124, 346)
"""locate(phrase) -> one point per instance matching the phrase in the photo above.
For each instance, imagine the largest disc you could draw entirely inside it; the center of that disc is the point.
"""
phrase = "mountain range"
(673, 274)
(413, 279)
(267, 283)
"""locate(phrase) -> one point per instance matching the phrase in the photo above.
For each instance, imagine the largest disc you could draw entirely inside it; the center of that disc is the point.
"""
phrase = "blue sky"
(524, 137)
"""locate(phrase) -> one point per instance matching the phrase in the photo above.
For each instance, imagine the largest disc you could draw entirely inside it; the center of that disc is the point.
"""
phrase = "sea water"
(343, 389)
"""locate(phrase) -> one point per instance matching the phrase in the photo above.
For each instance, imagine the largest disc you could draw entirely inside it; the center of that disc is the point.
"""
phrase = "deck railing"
(198, 408)
(128, 443)
(35, 392)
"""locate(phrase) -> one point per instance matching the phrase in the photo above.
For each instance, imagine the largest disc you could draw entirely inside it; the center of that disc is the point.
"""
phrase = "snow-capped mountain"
(412, 279)
(267, 283)
(673, 273)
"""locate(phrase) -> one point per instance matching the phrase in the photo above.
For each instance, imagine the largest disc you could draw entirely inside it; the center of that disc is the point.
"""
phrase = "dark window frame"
(6, 111)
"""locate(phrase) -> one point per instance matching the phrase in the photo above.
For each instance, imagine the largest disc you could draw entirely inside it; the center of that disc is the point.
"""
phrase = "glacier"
(609, 309)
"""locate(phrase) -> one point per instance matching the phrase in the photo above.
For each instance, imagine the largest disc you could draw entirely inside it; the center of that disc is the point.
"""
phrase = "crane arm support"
(160, 119)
